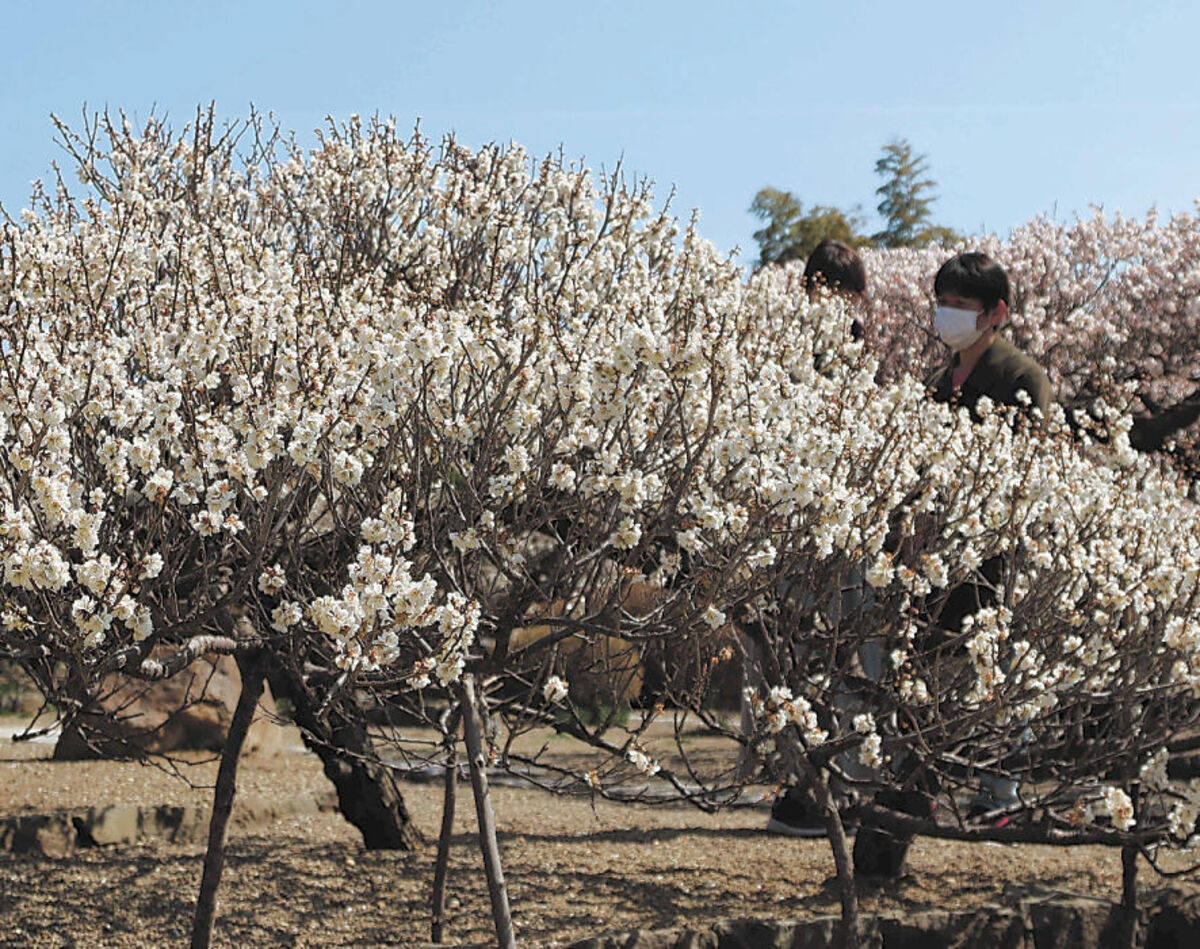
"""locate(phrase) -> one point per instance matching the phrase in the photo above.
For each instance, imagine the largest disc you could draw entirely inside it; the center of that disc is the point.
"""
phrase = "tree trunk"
(752, 683)
(1129, 904)
(1129, 870)
(840, 845)
(368, 796)
(223, 794)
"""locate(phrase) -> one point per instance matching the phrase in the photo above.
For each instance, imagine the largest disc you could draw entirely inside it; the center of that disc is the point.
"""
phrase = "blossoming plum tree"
(393, 420)
(334, 413)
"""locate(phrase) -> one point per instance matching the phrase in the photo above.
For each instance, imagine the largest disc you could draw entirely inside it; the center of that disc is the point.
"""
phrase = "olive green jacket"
(1002, 372)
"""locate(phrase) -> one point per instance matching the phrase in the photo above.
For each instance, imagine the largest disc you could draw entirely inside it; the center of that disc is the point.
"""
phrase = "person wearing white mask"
(973, 301)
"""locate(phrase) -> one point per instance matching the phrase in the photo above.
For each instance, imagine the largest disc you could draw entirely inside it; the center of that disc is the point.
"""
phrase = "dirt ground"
(574, 867)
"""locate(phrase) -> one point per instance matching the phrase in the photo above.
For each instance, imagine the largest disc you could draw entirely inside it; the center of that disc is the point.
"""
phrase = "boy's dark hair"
(837, 266)
(975, 276)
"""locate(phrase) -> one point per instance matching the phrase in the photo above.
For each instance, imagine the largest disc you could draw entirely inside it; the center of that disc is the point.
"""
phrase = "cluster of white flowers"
(870, 752)
(1184, 815)
(640, 760)
(413, 384)
(555, 689)
(780, 708)
(1119, 808)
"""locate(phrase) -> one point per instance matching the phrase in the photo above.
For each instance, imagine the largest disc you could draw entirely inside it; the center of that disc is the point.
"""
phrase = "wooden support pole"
(473, 732)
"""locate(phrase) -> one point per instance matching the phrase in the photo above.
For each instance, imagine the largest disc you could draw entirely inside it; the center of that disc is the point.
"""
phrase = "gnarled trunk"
(367, 792)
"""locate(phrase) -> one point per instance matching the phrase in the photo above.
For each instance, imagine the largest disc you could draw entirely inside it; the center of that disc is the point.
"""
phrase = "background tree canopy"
(791, 232)
(905, 197)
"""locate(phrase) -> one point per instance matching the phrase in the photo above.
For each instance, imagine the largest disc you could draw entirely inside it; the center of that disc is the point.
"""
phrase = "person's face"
(984, 320)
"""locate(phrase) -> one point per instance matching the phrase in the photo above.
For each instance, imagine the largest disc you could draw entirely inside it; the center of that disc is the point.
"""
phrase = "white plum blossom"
(517, 459)
(562, 476)
(421, 671)
(640, 760)
(92, 620)
(781, 708)
(627, 534)
(152, 566)
(87, 530)
(1119, 808)
(465, 541)
(141, 625)
(881, 571)
(870, 751)
(46, 567)
(554, 690)
(1154, 772)
(94, 574)
(373, 530)
(935, 570)
(272, 580)
(286, 615)
(158, 485)
(1182, 634)
(335, 617)
(1182, 819)
(347, 469)
(914, 690)
(864, 723)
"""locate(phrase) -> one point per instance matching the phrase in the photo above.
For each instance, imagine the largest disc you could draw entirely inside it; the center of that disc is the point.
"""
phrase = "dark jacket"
(1002, 372)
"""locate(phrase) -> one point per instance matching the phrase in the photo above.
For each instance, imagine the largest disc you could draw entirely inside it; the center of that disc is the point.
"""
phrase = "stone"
(650, 939)
(1069, 923)
(191, 711)
(1075, 923)
(697, 939)
(988, 928)
(176, 823)
(1173, 920)
(61, 833)
(820, 933)
(881, 855)
(51, 835)
(634, 939)
(115, 824)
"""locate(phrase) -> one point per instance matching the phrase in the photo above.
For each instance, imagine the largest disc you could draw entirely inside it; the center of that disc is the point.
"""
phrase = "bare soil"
(574, 866)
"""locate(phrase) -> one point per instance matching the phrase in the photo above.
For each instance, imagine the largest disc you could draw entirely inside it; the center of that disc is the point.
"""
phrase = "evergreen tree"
(791, 232)
(905, 198)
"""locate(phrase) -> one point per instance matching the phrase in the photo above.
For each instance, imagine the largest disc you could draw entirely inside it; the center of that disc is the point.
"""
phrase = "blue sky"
(1021, 107)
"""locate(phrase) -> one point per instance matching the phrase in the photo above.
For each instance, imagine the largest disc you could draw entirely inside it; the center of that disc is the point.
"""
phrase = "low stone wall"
(1172, 921)
(61, 833)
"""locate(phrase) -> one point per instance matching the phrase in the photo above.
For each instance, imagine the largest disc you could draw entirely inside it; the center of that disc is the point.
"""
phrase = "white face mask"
(956, 327)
